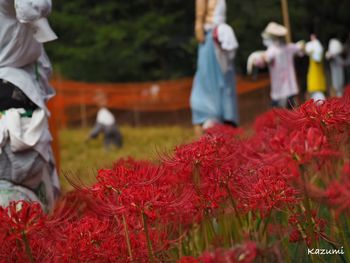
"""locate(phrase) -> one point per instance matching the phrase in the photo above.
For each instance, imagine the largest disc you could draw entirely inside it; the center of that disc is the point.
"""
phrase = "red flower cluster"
(338, 192)
(245, 253)
(140, 211)
(307, 227)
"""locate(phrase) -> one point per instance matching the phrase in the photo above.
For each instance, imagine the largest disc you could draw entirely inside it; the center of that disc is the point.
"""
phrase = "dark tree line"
(116, 41)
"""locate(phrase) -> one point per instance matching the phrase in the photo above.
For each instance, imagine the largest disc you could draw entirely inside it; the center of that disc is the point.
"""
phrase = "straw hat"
(274, 29)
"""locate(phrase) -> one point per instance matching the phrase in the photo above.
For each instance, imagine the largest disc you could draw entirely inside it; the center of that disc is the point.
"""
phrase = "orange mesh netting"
(168, 95)
(159, 96)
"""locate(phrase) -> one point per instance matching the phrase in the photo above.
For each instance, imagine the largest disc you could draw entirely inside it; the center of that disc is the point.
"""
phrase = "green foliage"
(123, 40)
(146, 40)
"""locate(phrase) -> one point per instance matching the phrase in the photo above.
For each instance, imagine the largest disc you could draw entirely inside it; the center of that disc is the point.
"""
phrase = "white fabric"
(210, 124)
(10, 192)
(34, 12)
(314, 49)
(20, 53)
(42, 31)
(335, 48)
(219, 15)
(31, 10)
(25, 133)
(220, 12)
(24, 63)
(227, 37)
(318, 96)
(280, 59)
(267, 41)
(255, 59)
(105, 117)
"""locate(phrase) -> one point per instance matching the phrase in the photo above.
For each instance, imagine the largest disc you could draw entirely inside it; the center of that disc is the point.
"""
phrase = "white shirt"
(314, 49)
(105, 117)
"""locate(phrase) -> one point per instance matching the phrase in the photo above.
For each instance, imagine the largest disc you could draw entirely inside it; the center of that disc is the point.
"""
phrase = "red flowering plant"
(213, 163)
(245, 253)
(198, 165)
(269, 187)
(307, 226)
(21, 226)
(338, 192)
(89, 239)
(264, 190)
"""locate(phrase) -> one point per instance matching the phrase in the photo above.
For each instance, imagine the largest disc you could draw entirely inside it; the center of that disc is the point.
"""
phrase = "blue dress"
(213, 93)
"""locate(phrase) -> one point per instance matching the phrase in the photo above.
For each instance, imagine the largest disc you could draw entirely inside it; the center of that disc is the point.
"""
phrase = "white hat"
(274, 29)
(335, 47)
(42, 31)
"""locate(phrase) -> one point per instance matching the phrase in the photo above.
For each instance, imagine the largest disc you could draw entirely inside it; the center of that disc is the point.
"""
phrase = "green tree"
(123, 40)
(153, 39)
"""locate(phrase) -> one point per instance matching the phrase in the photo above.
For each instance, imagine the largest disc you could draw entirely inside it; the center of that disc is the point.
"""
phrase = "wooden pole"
(286, 21)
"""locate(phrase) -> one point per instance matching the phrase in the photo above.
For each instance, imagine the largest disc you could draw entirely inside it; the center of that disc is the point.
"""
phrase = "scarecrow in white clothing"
(27, 166)
(336, 63)
(106, 124)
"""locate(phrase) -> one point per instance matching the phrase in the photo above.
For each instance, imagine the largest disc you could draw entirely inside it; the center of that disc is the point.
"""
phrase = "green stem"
(307, 205)
(180, 242)
(205, 234)
(127, 237)
(196, 177)
(149, 243)
(234, 206)
(27, 247)
(344, 242)
(264, 231)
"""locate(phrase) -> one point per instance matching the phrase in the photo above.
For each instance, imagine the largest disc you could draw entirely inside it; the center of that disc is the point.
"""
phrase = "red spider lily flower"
(221, 130)
(189, 259)
(138, 209)
(20, 218)
(202, 164)
(307, 226)
(21, 231)
(295, 236)
(244, 254)
(264, 190)
(338, 192)
(89, 239)
(309, 143)
(331, 114)
(267, 120)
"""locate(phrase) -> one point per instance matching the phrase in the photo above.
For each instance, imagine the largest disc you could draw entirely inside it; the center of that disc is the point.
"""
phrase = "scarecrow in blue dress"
(213, 98)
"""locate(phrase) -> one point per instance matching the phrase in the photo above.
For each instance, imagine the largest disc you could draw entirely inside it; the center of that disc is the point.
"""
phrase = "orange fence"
(169, 95)
(74, 99)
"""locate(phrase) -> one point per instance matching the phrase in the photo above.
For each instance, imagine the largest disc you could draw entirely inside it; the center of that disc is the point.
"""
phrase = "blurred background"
(142, 40)
(142, 55)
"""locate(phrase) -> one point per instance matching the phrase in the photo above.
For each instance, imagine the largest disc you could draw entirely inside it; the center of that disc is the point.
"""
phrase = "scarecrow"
(279, 57)
(27, 166)
(213, 96)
